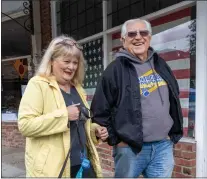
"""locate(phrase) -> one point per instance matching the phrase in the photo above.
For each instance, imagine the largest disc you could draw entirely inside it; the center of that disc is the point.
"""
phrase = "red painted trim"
(174, 55)
(184, 94)
(171, 17)
(117, 35)
(182, 74)
(185, 112)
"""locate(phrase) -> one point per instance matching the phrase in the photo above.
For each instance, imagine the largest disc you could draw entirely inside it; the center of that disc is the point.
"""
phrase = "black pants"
(87, 173)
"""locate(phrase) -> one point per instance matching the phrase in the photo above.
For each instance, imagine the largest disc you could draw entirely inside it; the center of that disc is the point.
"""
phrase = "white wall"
(201, 92)
(9, 7)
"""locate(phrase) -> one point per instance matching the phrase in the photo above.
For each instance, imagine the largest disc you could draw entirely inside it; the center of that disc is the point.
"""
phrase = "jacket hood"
(126, 53)
(137, 62)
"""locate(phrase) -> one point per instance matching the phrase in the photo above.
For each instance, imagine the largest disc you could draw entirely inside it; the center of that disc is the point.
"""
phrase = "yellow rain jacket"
(43, 120)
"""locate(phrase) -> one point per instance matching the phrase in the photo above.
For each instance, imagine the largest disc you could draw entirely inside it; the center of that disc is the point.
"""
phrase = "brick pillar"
(45, 13)
(42, 33)
(36, 40)
(185, 160)
(106, 159)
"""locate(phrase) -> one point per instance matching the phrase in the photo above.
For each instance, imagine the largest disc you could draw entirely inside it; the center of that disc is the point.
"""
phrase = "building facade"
(179, 36)
(16, 55)
(23, 38)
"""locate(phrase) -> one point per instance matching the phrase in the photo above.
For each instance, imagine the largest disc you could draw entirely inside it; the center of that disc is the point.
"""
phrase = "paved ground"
(13, 163)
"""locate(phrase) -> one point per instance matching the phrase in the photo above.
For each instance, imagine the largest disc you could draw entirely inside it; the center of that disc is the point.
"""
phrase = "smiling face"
(64, 69)
(137, 39)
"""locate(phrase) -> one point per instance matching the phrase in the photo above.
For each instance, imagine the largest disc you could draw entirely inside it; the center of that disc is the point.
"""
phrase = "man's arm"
(103, 103)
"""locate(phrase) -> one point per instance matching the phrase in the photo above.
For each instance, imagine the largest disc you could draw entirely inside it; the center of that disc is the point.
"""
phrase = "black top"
(120, 106)
(74, 98)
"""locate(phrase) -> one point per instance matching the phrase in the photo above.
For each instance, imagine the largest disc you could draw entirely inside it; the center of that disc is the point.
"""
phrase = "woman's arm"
(31, 120)
(93, 128)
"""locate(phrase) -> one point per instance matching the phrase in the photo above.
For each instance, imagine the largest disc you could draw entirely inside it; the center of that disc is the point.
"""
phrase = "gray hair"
(124, 26)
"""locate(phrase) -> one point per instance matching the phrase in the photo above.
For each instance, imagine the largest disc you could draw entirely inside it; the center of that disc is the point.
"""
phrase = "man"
(137, 99)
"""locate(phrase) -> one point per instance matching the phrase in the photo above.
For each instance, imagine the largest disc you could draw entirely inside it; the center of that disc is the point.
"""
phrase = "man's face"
(137, 39)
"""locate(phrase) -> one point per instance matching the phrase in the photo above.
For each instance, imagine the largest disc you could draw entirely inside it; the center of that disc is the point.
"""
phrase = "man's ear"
(122, 39)
(150, 37)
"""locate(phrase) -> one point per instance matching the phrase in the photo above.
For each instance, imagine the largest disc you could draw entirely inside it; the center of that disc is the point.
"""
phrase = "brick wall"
(185, 159)
(11, 136)
(106, 159)
(46, 35)
(184, 153)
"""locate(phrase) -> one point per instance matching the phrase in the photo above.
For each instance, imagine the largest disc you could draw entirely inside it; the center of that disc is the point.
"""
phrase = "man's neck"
(142, 57)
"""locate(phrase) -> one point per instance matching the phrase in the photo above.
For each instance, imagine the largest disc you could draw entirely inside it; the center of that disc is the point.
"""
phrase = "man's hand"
(102, 133)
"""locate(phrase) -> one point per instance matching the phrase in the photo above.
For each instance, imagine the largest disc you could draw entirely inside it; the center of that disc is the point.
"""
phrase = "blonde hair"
(57, 49)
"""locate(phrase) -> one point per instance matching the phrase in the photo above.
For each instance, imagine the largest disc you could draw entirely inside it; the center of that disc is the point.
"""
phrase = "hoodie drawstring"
(156, 83)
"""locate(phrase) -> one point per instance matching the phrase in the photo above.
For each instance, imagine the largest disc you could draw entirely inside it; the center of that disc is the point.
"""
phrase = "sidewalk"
(13, 163)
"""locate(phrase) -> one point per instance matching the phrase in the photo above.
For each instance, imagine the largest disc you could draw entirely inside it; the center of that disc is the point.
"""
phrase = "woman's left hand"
(102, 133)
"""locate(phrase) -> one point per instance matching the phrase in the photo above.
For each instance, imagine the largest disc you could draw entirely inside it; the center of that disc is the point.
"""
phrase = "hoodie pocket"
(41, 158)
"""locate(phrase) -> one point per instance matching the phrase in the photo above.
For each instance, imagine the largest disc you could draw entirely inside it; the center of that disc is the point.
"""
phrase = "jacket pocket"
(41, 158)
(29, 160)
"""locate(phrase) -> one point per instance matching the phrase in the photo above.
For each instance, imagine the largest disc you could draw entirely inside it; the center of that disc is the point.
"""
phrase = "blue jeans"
(154, 160)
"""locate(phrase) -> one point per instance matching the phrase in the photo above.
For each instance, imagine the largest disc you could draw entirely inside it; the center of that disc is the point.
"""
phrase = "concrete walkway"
(13, 163)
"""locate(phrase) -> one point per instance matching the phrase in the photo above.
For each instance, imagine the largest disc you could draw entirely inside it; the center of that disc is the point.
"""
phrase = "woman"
(49, 115)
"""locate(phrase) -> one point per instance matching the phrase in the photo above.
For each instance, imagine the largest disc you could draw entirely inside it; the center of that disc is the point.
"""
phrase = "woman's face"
(64, 69)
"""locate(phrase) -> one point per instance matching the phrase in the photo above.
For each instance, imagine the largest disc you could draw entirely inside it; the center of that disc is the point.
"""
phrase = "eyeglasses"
(133, 34)
(70, 43)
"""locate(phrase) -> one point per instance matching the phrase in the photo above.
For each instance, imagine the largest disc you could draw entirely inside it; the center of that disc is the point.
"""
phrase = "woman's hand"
(102, 133)
(73, 112)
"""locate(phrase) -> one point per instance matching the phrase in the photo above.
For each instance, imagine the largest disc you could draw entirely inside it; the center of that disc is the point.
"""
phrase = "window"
(93, 54)
(89, 15)
(12, 87)
(76, 17)
(137, 9)
(11, 45)
(122, 10)
(81, 6)
(177, 46)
